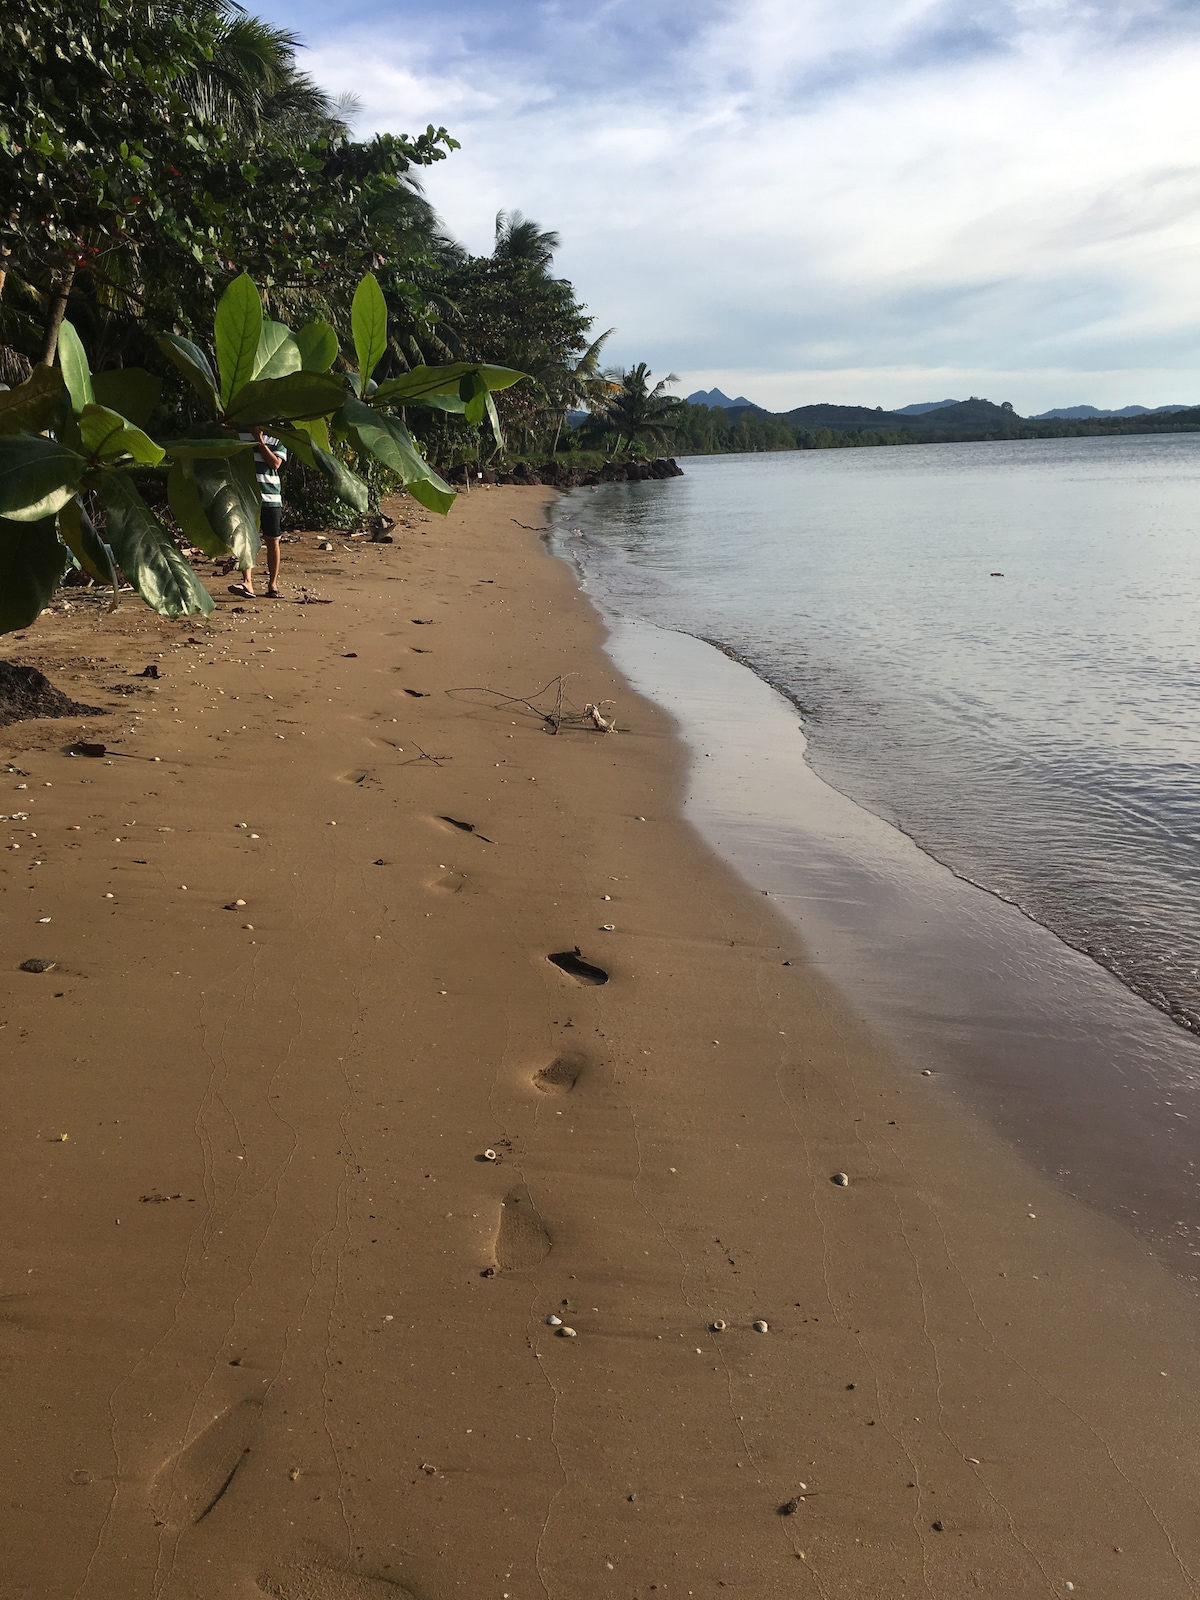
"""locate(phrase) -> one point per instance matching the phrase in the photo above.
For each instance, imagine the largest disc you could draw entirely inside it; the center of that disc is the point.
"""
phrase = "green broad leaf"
(32, 562)
(300, 395)
(183, 496)
(318, 345)
(31, 406)
(238, 328)
(389, 441)
(347, 485)
(316, 430)
(278, 352)
(473, 392)
(194, 365)
(132, 391)
(146, 555)
(228, 492)
(78, 533)
(77, 374)
(422, 382)
(37, 476)
(107, 436)
(368, 323)
(206, 449)
(442, 402)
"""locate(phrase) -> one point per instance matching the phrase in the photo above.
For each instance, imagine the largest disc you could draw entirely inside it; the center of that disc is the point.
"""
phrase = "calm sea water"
(994, 646)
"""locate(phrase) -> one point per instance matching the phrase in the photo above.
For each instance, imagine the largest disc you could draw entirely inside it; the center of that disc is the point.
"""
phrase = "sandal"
(241, 589)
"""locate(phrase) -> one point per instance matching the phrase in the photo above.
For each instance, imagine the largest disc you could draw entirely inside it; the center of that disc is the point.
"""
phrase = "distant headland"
(709, 423)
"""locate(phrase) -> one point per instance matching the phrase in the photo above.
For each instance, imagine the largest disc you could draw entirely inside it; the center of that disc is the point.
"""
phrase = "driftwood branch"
(561, 713)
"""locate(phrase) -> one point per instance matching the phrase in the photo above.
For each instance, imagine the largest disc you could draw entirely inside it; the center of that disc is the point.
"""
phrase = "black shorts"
(272, 521)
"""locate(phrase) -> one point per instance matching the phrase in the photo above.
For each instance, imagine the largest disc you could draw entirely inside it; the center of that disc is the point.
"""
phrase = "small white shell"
(489, 1155)
(717, 1327)
(554, 1322)
(566, 1333)
(761, 1327)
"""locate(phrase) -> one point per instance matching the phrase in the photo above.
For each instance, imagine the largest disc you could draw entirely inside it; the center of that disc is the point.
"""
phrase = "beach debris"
(428, 1468)
(151, 671)
(324, 544)
(488, 1272)
(562, 714)
(567, 1333)
(639, 819)
(422, 622)
(608, 927)
(840, 1178)
(490, 1155)
(294, 1474)
(790, 1507)
(417, 694)
(927, 1072)
(761, 1327)
(1000, 575)
(554, 1322)
(235, 905)
(573, 963)
(43, 919)
(606, 897)
(938, 1527)
(85, 747)
(718, 1326)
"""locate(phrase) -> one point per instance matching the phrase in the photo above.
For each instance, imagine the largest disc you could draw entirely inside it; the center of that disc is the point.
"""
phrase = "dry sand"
(272, 1325)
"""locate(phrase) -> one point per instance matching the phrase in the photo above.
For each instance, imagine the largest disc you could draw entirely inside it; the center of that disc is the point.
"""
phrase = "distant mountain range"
(1077, 413)
(714, 397)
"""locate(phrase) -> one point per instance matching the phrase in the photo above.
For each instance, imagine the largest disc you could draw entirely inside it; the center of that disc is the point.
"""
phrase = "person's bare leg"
(273, 552)
(246, 586)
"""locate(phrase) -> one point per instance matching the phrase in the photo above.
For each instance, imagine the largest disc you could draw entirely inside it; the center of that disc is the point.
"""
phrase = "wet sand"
(272, 1324)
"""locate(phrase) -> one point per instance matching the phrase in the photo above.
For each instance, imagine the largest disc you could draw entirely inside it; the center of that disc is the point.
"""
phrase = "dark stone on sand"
(26, 693)
(38, 966)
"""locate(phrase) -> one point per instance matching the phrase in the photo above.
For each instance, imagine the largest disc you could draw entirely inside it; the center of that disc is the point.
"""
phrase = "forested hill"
(701, 430)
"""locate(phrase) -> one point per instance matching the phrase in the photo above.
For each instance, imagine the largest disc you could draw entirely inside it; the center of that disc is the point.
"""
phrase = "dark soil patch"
(26, 693)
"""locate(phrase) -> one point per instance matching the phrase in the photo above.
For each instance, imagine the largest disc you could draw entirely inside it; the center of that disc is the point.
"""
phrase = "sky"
(873, 202)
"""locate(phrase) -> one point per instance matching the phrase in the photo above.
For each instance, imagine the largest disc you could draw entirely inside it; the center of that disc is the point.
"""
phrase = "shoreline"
(246, 1300)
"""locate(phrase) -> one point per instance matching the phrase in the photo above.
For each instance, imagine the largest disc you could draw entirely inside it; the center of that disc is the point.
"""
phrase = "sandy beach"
(274, 1322)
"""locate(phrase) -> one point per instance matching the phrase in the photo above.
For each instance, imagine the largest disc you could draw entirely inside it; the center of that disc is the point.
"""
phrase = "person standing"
(269, 456)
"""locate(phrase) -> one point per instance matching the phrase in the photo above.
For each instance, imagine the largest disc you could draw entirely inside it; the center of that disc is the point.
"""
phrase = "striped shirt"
(268, 477)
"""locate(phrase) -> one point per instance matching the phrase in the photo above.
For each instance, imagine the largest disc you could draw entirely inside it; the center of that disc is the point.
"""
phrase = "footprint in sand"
(573, 964)
(561, 1076)
(192, 1483)
(521, 1238)
(447, 883)
(324, 1583)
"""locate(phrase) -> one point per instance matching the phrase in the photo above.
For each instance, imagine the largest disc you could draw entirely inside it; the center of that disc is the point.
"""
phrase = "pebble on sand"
(761, 1327)
(567, 1333)
(840, 1179)
(38, 966)
(554, 1322)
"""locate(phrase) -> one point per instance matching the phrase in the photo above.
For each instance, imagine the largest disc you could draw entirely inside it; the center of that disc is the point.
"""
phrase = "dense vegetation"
(154, 150)
(704, 430)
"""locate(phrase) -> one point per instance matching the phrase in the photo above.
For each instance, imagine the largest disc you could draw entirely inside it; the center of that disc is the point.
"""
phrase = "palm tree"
(518, 238)
(638, 414)
(578, 386)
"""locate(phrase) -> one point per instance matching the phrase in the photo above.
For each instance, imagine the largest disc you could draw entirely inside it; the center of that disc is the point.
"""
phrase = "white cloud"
(881, 200)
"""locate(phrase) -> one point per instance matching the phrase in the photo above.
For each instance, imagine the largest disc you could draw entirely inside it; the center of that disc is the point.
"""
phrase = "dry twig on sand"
(563, 713)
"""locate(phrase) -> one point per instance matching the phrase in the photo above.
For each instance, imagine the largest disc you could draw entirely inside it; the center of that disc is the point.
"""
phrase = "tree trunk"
(56, 311)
